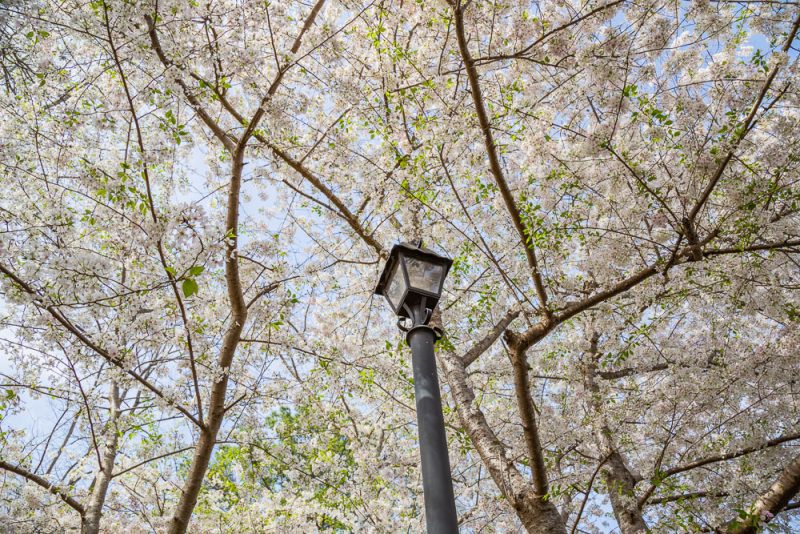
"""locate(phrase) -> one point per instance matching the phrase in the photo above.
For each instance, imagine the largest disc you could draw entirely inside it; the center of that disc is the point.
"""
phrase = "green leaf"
(189, 287)
(629, 91)
(196, 270)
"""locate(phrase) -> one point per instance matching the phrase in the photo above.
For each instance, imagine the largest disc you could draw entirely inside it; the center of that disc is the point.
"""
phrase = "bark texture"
(538, 515)
(216, 406)
(90, 522)
(618, 478)
(530, 429)
(772, 501)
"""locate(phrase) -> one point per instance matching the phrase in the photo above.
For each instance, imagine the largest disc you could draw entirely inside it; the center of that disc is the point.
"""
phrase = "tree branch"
(226, 139)
(494, 159)
(44, 483)
(343, 210)
(309, 21)
(645, 498)
(628, 371)
(731, 455)
(483, 345)
(160, 456)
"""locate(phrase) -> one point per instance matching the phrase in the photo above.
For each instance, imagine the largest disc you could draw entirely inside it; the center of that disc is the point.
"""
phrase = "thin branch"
(587, 494)
(84, 339)
(226, 139)
(755, 248)
(687, 497)
(731, 455)
(153, 459)
(557, 29)
(645, 498)
(343, 210)
(744, 129)
(159, 245)
(628, 371)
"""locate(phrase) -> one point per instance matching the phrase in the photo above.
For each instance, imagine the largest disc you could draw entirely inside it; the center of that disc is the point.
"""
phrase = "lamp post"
(412, 282)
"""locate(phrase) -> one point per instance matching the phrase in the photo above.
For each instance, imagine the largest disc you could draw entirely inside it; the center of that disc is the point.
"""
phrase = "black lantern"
(412, 281)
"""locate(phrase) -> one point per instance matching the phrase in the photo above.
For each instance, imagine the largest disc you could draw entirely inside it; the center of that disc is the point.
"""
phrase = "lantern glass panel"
(424, 275)
(396, 287)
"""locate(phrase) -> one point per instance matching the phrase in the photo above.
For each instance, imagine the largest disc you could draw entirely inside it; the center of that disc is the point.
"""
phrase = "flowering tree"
(197, 198)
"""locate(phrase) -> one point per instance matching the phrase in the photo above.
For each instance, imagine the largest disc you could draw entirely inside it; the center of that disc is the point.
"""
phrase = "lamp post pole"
(412, 282)
(437, 484)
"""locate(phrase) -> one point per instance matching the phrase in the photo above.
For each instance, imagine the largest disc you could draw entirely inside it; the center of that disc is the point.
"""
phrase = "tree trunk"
(202, 456)
(770, 503)
(619, 480)
(538, 515)
(90, 522)
(194, 481)
(216, 406)
(527, 412)
(621, 483)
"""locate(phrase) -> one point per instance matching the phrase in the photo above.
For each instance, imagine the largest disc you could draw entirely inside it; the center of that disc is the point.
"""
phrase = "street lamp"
(412, 282)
